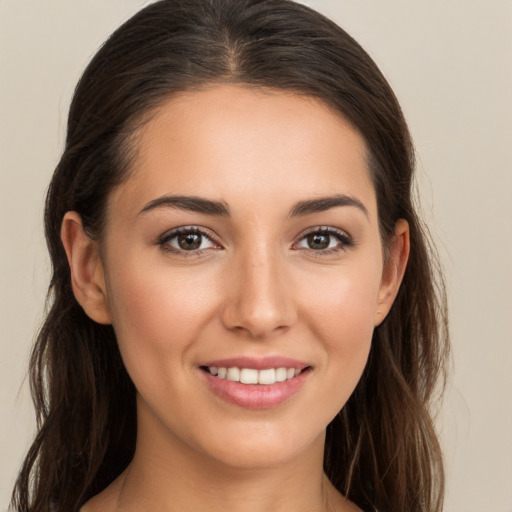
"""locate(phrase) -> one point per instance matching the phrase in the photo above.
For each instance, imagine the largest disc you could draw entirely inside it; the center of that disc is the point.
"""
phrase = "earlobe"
(87, 277)
(394, 270)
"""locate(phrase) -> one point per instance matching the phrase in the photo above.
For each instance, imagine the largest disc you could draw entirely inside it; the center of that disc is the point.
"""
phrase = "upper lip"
(258, 363)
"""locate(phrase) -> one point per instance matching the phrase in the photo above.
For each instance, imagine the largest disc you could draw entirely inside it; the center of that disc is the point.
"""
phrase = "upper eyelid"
(344, 238)
(171, 233)
(187, 228)
(324, 229)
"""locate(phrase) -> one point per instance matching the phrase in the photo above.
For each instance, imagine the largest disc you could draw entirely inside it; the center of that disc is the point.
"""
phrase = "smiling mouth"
(266, 376)
(254, 383)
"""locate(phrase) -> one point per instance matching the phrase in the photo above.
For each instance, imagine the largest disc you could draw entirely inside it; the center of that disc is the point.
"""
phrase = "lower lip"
(256, 396)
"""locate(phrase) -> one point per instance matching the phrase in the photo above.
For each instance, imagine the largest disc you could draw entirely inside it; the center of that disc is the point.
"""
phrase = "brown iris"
(318, 241)
(189, 241)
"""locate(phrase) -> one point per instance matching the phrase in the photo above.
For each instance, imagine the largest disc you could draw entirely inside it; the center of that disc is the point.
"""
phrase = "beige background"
(450, 63)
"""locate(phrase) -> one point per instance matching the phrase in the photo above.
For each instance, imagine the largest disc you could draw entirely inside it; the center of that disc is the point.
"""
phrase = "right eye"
(190, 239)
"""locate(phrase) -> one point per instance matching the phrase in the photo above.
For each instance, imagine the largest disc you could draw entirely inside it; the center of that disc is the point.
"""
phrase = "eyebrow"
(326, 203)
(190, 204)
(209, 207)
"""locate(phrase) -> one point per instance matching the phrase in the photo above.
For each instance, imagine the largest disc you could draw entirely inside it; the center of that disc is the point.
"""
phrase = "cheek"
(344, 302)
(341, 312)
(156, 313)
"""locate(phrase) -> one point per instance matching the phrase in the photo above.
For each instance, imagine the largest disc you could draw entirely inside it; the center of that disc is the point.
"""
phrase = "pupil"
(318, 241)
(189, 241)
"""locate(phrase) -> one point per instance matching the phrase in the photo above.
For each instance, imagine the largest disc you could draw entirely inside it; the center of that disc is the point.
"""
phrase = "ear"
(393, 271)
(87, 277)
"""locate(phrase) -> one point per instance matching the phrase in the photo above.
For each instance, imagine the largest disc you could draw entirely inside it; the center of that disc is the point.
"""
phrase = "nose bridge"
(259, 300)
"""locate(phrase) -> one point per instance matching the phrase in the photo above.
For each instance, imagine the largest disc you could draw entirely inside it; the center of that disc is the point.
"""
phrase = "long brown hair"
(381, 449)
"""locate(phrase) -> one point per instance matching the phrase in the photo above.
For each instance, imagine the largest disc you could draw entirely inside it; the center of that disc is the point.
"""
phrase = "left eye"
(324, 240)
(187, 240)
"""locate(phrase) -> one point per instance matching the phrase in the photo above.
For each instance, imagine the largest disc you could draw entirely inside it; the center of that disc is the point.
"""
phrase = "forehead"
(240, 144)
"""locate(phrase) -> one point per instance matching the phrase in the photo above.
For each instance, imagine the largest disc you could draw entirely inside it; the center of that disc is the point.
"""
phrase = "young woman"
(244, 310)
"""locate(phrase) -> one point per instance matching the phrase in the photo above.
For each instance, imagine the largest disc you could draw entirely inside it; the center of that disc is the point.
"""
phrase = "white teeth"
(267, 376)
(280, 374)
(233, 374)
(248, 376)
(252, 376)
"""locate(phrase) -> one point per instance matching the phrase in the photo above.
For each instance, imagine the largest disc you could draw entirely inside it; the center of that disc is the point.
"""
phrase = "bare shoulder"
(107, 500)
(336, 502)
(100, 503)
(345, 505)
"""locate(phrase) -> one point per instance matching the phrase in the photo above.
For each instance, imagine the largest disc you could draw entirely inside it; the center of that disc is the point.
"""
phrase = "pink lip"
(256, 396)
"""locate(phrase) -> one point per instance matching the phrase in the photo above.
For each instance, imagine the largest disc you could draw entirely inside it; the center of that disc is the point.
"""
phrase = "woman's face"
(246, 237)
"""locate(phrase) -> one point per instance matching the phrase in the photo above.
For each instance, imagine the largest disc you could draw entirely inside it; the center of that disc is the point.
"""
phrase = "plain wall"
(450, 64)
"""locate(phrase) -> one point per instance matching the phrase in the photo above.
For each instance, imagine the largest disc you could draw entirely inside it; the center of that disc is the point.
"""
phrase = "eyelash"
(165, 239)
(345, 241)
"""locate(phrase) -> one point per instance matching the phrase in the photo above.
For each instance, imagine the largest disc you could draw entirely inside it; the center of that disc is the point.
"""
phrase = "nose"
(259, 296)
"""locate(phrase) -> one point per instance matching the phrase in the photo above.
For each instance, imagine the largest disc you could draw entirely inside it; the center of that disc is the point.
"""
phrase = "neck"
(169, 476)
(197, 483)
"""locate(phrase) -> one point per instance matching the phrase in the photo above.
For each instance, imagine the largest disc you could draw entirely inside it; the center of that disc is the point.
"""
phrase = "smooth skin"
(259, 274)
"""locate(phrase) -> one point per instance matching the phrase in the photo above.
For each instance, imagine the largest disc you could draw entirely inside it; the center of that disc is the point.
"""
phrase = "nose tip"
(258, 322)
(259, 302)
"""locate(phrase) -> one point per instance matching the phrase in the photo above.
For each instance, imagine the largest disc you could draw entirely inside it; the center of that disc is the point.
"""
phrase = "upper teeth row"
(252, 376)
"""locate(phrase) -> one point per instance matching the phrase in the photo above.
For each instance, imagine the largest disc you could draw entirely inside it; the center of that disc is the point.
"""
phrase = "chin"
(262, 446)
